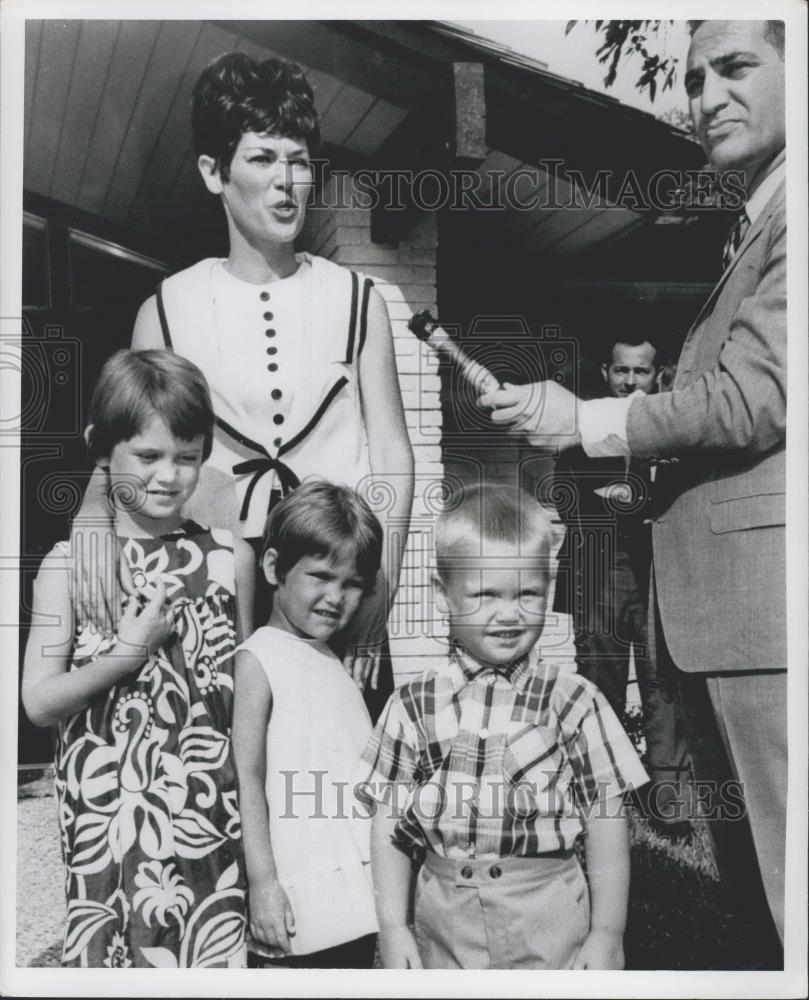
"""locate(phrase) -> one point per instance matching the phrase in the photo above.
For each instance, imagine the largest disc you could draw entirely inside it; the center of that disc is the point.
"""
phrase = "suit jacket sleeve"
(741, 403)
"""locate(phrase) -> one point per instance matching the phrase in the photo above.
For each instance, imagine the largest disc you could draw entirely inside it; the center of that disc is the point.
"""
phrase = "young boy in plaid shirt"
(492, 765)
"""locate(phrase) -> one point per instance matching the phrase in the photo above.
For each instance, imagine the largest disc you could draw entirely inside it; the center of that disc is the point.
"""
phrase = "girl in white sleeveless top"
(299, 730)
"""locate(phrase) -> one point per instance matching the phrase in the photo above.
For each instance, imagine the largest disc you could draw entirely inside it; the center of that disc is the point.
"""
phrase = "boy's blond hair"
(489, 512)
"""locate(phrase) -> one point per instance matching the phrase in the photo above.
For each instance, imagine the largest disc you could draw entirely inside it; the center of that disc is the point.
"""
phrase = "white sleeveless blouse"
(281, 360)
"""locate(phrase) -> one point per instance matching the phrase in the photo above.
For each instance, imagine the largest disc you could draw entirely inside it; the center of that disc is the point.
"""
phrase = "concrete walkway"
(40, 876)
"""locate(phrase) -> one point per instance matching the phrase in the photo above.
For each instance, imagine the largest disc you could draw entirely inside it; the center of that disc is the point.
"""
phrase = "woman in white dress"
(297, 350)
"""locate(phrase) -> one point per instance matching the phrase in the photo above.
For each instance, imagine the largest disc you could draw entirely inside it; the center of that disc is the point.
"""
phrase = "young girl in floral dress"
(145, 779)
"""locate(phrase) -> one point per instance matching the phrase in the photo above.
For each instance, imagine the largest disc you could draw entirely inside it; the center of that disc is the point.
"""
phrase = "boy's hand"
(398, 949)
(146, 628)
(272, 922)
(601, 950)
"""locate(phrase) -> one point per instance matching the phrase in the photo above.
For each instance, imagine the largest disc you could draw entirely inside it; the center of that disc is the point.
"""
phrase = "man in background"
(604, 560)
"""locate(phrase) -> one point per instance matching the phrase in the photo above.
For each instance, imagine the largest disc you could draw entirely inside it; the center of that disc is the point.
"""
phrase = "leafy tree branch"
(641, 38)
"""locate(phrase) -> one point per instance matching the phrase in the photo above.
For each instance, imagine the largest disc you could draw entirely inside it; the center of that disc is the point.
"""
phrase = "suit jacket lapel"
(750, 237)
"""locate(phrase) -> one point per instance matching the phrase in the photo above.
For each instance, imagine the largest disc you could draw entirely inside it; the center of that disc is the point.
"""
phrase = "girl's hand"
(398, 949)
(272, 922)
(149, 627)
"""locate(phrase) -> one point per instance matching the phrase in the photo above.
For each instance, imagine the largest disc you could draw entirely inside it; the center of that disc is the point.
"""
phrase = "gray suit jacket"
(719, 538)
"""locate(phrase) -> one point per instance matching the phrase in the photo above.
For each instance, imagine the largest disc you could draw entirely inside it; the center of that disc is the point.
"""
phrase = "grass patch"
(679, 916)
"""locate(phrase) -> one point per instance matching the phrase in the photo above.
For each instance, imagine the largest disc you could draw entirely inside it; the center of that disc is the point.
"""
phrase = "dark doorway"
(82, 287)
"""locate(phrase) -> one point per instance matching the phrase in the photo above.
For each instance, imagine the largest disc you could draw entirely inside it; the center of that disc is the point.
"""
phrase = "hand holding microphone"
(426, 328)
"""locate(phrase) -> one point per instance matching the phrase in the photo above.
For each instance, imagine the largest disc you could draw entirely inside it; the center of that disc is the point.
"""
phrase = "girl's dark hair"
(134, 386)
(235, 94)
(325, 520)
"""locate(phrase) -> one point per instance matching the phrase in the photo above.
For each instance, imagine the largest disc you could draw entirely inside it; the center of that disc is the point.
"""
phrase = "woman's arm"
(100, 575)
(95, 585)
(50, 692)
(214, 501)
(245, 568)
(389, 447)
(96, 594)
(271, 918)
(147, 332)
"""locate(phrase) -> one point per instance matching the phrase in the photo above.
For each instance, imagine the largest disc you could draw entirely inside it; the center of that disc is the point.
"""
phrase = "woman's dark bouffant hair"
(235, 94)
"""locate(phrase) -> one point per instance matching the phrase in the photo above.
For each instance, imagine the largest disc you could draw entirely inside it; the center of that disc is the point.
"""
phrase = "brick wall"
(405, 276)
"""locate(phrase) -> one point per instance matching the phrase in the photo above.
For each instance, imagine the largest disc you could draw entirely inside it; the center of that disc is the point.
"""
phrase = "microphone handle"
(477, 375)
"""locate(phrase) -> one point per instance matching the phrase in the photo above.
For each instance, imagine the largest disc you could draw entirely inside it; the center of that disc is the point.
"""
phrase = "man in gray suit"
(718, 540)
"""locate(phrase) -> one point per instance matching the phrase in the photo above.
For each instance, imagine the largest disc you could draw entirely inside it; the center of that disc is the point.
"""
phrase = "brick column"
(405, 276)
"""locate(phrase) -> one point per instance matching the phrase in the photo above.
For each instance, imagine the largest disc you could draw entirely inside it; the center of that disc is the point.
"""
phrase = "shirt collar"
(766, 189)
(465, 670)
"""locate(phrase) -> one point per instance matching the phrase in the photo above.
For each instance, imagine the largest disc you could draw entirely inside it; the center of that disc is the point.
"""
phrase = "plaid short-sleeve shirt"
(485, 763)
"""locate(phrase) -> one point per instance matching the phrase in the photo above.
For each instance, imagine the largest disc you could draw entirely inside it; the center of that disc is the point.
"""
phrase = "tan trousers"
(514, 913)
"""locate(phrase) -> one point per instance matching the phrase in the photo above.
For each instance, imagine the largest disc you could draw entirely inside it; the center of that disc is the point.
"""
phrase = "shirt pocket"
(534, 770)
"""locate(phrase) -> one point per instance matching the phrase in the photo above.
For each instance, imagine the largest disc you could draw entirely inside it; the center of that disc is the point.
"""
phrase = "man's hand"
(601, 950)
(272, 922)
(398, 949)
(544, 411)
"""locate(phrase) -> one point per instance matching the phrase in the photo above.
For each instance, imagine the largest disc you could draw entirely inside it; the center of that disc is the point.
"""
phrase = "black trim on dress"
(265, 462)
(366, 294)
(352, 319)
(161, 312)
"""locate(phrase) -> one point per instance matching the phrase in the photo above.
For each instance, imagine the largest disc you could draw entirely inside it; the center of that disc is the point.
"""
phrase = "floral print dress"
(146, 782)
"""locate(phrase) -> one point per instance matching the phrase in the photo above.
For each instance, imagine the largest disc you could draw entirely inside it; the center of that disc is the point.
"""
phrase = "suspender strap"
(161, 312)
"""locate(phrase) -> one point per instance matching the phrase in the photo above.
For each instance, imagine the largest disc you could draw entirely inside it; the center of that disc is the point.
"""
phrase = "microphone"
(426, 328)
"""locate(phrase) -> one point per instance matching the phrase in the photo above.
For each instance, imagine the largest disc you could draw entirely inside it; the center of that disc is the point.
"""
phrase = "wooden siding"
(106, 112)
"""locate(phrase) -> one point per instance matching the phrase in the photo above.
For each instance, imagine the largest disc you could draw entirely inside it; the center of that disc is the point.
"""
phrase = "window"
(102, 274)
(36, 277)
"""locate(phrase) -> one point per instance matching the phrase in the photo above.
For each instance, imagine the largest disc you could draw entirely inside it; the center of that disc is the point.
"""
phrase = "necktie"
(737, 232)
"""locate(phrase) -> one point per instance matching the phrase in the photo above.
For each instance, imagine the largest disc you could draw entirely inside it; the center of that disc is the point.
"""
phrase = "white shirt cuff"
(602, 423)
